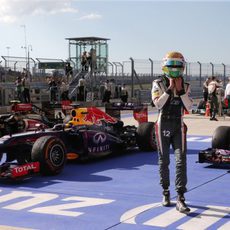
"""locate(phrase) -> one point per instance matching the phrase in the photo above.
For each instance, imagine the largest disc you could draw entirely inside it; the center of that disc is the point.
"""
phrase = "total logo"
(23, 169)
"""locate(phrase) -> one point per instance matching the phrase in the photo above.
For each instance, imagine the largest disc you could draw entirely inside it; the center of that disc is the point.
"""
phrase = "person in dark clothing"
(124, 93)
(84, 61)
(170, 95)
(68, 71)
(205, 89)
(107, 92)
(53, 90)
(26, 86)
(212, 97)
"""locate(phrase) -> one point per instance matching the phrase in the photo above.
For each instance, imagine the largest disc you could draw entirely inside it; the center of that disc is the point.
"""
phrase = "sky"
(138, 29)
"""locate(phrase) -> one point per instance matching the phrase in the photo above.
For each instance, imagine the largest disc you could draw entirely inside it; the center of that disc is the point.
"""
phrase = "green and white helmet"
(173, 64)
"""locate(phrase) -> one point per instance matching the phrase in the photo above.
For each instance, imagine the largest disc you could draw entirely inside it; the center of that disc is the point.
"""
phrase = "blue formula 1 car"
(89, 133)
(219, 153)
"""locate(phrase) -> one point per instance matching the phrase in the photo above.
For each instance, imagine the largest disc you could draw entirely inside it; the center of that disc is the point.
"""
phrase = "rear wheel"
(146, 139)
(221, 138)
(51, 153)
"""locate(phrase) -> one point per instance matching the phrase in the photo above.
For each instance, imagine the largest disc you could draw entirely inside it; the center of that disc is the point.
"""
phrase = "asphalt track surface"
(119, 193)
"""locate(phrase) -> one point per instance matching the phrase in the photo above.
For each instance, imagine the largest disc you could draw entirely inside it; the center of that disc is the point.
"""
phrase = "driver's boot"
(166, 198)
(181, 205)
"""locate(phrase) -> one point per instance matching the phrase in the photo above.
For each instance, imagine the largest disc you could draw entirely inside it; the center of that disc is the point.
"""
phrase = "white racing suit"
(170, 129)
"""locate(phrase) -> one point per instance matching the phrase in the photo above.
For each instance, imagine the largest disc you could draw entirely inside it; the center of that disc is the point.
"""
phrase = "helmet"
(173, 64)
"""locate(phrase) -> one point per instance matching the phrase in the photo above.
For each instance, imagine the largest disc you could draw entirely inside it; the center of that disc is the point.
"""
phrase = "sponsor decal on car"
(21, 170)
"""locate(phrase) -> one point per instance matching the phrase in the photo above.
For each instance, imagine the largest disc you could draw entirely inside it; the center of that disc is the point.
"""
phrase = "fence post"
(200, 71)
(151, 61)
(224, 72)
(212, 68)
(132, 77)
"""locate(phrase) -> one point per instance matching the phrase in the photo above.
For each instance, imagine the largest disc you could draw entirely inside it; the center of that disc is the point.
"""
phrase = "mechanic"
(170, 95)
(205, 89)
(212, 97)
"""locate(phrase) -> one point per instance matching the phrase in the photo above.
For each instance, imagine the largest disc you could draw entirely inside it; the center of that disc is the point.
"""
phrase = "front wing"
(214, 156)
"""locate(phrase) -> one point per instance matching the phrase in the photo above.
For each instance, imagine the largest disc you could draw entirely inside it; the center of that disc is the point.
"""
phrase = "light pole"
(25, 40)
(29, 49)
(8, 58)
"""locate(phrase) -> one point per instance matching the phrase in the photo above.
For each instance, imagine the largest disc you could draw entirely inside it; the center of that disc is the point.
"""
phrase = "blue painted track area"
(118, 193)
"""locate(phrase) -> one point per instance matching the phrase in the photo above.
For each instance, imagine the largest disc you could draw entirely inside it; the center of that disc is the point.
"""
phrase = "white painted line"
(4, 227)
(206, 218)
(166, 219)
(225, 226)
(130, 216)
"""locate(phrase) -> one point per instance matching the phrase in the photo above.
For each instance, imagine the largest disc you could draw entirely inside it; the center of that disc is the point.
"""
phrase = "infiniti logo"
(99, 138)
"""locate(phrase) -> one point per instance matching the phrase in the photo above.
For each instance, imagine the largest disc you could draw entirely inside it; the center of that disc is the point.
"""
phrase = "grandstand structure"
(137, 74)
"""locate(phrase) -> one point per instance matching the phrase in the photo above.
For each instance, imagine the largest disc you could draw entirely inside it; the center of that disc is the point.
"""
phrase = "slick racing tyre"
(146, 139)
(221, 138)
(51, 153)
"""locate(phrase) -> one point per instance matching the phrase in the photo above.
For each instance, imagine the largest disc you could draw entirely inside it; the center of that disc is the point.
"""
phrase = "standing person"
(212, 97)
(19, 88)
(227, 93)
(53, 90)
(26, 85)
(107, 92)
(81, 89)
(124, 93)
(68, 72)
(64, 90)
(205, 89)
(84, 61)
(170, 95)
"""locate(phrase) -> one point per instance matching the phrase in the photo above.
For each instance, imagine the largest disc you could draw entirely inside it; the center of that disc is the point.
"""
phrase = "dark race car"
(89, 133)
(219, 153)
(23, 117)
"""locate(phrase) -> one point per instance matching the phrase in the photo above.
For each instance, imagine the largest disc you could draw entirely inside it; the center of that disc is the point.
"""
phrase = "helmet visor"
(173, 72)
(174, 63)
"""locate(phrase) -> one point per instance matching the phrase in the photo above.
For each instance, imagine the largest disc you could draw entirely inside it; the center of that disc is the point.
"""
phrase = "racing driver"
(170, 95)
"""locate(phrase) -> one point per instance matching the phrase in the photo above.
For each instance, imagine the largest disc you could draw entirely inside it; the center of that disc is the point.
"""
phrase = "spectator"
(84, 64)
(89, 61)
(53, 90)
(93, 58)
(107, 93)
(81, 89)
(64, 90)
(68, 71)
(26, 85)
(212, 97)
(124, 93)
(19, 88)
(101, 91)
(112, 86)
(227, 93)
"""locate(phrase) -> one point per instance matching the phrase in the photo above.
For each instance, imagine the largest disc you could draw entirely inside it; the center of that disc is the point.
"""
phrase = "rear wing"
(140, 111)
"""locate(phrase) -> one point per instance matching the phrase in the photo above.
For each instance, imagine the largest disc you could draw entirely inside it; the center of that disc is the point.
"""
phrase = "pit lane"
(121, 192)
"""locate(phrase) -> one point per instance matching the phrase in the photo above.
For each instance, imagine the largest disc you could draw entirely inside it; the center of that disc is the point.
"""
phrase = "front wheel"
(50, 152)
(146, 139)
